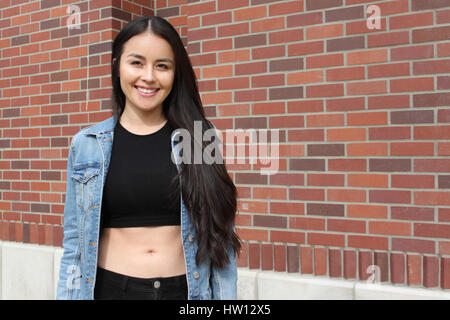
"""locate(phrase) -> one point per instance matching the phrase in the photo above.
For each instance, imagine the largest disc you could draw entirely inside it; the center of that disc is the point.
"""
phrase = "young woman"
(137, 224)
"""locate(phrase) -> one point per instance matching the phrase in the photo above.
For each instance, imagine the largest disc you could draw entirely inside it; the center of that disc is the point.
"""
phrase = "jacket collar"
(102, 127)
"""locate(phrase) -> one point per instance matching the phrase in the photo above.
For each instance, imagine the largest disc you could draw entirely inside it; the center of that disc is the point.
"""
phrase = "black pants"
(114, 286)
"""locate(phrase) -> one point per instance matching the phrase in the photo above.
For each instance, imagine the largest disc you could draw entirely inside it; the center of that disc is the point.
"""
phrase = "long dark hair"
(207, 190)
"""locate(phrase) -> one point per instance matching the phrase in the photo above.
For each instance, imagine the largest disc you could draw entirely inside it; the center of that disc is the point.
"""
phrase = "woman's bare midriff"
(143, 252)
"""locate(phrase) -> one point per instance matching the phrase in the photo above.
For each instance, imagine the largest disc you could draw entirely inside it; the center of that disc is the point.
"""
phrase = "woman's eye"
(162, 66)
(135, 62)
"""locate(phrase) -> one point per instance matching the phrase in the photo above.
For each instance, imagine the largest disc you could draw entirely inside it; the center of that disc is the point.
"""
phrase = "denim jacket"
(88, 163)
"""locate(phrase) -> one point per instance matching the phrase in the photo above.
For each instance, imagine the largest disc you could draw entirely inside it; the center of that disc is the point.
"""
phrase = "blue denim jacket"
(88, 163)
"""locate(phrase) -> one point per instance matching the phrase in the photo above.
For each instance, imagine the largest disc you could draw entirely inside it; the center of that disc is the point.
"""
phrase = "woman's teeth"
(146, 90)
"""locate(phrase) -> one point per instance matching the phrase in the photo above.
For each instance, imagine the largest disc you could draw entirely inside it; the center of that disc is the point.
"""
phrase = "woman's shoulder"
(93, 130)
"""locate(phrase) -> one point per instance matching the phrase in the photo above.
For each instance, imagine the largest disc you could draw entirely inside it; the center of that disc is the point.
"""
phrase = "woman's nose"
(148, 74)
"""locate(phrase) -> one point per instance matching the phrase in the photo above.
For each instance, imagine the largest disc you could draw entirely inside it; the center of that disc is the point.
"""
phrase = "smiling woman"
(154, 227)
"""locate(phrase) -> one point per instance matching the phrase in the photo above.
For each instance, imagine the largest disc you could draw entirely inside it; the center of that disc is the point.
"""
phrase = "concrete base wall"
(30, 271)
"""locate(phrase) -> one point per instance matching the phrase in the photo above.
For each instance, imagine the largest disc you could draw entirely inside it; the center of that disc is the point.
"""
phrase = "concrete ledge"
(268, 285)
(27, 271)
(30, 271)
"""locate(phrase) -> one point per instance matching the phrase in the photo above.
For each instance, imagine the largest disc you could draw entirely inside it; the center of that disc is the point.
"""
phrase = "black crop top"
(138, 190)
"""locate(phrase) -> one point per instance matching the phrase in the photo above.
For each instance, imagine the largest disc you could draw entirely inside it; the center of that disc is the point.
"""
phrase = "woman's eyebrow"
(143, 58)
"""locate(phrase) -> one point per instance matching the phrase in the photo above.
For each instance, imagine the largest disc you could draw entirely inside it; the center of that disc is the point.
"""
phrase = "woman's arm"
(70, 273)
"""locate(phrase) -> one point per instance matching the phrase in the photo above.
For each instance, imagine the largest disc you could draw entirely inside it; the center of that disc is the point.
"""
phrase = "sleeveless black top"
(138, 189)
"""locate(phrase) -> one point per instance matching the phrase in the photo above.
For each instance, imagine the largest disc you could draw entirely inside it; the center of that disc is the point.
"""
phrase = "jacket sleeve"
(224, 281)
(69, 272)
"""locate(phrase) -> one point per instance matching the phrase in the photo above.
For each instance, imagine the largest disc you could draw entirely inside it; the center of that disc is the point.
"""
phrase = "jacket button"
(196, 275)
(191, 238)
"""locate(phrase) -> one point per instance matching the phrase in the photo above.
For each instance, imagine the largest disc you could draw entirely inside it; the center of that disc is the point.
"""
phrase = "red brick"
(347, 164)
(250, 13)
(327, 31)
(412, 84)
(381, 260)
(307, 223)
(318, 179)
(305, 48)
(412, 245)
(411, 20)
(287, 237)
(431, 230)
(334, 262)
(286, 7)
(325, 120)
(349, 264)
(231, 4)
(346, 134)
(368, 242)
(324, 61)
(285, 36)
(267, 81)
(390, 228)
(366, 57)
(367, 149)
(348, 195)
(326, 239)
(365, 259)
(412, 52)
(279, 257)
(432, 132)
(267, 256)
(345, 104)
(367, 87)
(388, 102)
(414, 269)
(431, 34)
(242, 259)
(306, 264)
(233, 29)
(366, 211)
(397, 268)
(388, 39)
(267, 24)
(346, 225)
(293, 261)
(320, 261)
(254, 255)
(305, 77)
(201, 8)
(445, 273)
(304, 19)
(439, 198)
(430, 271)
(390, 196)
(340, 74)
(253, 234)
(388, 70)
(287, 208)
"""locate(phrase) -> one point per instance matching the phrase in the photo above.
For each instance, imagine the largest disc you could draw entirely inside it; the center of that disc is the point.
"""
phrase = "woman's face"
(147, 71)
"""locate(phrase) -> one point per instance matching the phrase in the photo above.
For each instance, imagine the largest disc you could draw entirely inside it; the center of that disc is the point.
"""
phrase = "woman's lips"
(147, 95)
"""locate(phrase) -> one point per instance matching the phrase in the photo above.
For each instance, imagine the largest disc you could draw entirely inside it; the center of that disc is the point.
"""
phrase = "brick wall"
(362, 114)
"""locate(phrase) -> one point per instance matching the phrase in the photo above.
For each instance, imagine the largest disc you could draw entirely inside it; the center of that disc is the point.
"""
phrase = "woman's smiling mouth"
(146, 92)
